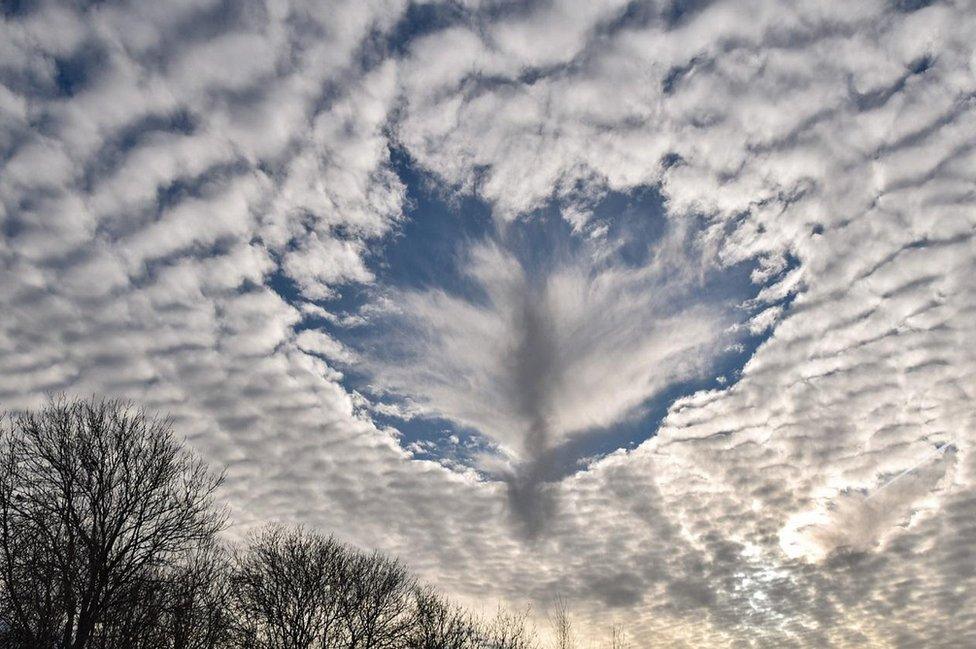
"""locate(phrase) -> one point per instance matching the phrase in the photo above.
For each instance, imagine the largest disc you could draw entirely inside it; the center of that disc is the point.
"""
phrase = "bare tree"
(562, 624)
(97, 500)
(184, 606)
(293, 589)
(438, 624)
(285, 590)
(507, 630)
(376, 602)
(617, 637)
(197, 613)
(108, 541)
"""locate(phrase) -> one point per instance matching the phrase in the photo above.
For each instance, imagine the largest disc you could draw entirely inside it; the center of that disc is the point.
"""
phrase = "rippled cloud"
(199, 210)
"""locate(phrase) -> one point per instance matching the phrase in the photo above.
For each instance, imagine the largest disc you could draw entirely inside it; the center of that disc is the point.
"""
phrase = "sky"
(663, 308)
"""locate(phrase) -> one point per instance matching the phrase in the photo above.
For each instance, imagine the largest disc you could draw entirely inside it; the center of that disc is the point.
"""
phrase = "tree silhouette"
(98, 503)
(286, 588)
(108, 540)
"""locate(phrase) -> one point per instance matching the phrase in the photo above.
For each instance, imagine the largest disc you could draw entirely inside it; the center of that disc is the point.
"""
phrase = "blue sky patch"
(427, 253)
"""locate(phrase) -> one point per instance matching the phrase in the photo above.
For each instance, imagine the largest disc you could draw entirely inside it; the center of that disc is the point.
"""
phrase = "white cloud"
(835, 135)
(320, 343)
(546, 358)
(318, 263)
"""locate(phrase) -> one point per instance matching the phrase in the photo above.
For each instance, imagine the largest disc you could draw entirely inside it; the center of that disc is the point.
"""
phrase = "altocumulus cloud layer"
(189, 191)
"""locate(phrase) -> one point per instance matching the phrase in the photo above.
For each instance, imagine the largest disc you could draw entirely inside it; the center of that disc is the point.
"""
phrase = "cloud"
(534, 358)
(163, 167)
(854, 521)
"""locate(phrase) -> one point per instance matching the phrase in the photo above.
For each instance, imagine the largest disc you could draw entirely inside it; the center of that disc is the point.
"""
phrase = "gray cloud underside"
(160, 162)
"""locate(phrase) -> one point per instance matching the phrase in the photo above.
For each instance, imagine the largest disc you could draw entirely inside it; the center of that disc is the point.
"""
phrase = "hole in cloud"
(527, 349)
